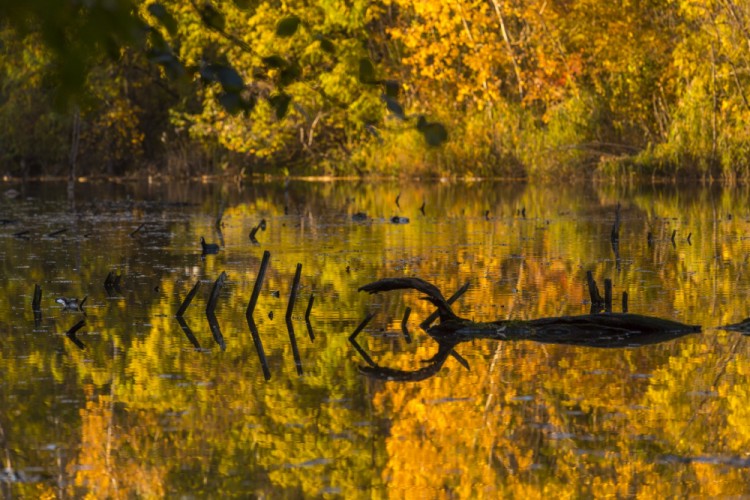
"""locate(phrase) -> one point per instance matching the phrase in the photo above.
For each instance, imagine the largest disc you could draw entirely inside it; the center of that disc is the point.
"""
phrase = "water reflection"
(153, 406)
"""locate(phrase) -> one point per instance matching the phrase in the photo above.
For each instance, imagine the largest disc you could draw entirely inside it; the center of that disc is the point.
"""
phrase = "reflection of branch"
(384, 373)
(216, 331)
(258, 346)
(293, 341)
(188, 332)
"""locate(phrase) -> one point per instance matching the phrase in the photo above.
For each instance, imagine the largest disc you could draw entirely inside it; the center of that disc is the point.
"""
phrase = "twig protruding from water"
(214, 297)
(137, 230)
(424, 325)
(36, 302)
(361, 327)
(607, 294)
(71, 334)
(188, 299)
(404, 328)
(293, 293)
(258, 346)
(596, 297)
(258, 283)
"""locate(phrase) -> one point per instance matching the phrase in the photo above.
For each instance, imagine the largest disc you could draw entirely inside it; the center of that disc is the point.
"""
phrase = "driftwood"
(604, 330)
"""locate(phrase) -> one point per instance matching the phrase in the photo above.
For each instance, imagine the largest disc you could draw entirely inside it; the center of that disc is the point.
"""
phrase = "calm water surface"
(148, 408)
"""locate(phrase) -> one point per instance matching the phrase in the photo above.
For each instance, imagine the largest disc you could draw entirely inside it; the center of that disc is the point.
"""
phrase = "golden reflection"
(142, 412)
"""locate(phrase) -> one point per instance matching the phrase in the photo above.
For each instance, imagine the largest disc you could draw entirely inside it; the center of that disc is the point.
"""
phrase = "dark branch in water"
(137, 230)
(293, 342)
(215, 330)
(361, 327)
(453, 298)
(307, 317)
(71, 334)
(293, 293)
(309, 307)
(607, 330)
(404, 325)
(258, 283)
(188, 332)
(56, 233)
(188, 299)
(215, 291)
(36, 303)
(596, 297)
(258, 346)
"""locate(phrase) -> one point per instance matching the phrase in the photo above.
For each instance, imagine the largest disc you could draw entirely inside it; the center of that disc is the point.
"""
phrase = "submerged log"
(602, 330)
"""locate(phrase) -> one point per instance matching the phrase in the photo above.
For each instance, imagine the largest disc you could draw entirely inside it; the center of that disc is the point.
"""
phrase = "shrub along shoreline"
(540, 89)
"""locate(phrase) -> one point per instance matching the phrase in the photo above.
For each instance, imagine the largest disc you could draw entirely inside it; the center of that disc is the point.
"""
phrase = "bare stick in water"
(215, 330)
(71, 334)
(258, 283)
(293, 342)
(293, 293)
(188, 332)
(214, 297)
(36, 303)
(258, 346)
(137, 230)
(307, 317)
(608, 295)
(188, 299)
(404, 328)
(361, 327)
(432, 317)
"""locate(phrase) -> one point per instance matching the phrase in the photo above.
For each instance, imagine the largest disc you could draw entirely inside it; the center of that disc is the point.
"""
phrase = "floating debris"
(359, 217)
(137, 229)
(399, 220)
(22, 234)
(56, 233)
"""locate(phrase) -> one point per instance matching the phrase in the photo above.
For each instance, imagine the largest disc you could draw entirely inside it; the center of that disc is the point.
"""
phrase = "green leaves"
(280, 103)
(394, 106)
(366, 71)
(165, 18)
(274, 61)
(325, 43)
(227, 76)
(287, 26)
(434, 133)
(212, 17)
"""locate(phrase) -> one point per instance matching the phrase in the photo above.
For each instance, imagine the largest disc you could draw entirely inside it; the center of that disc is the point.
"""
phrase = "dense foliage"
(398, 86)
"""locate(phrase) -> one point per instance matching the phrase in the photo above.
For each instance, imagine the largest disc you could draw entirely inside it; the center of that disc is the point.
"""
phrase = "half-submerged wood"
(603, 330)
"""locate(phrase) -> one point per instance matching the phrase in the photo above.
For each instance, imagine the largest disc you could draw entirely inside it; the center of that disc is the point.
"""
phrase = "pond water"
(140, 405)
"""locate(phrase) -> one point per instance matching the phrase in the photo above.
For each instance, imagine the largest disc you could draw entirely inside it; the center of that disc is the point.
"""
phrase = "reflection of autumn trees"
(141, 413)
